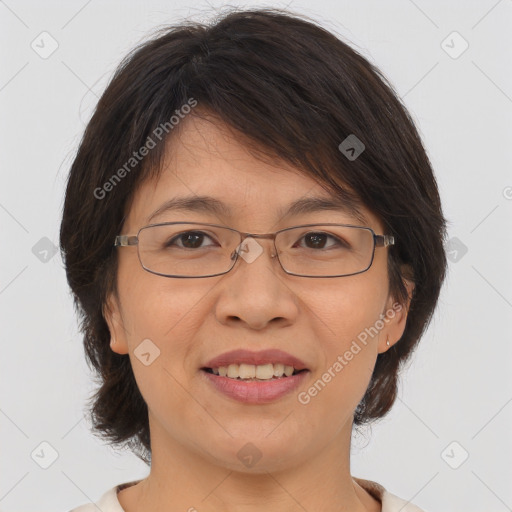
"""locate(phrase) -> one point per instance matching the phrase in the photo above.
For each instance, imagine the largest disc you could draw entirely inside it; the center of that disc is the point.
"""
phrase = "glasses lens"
(187, 250)
(325, 250)
(200, 250)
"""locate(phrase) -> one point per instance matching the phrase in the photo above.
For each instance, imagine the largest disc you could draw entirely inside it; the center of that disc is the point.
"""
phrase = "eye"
(318, 240)
(188, 240)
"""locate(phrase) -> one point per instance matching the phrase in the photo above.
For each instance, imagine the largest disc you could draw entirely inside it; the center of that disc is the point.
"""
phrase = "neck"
(183, 480)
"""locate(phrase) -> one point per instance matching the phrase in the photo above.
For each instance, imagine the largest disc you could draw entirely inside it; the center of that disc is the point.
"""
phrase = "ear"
(396, 314)
(114, 319)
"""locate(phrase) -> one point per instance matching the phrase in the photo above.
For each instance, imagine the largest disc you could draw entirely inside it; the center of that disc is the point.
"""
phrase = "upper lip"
(242, 356)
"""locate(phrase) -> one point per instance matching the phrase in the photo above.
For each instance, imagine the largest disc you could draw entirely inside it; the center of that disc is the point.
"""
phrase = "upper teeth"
(251, 371)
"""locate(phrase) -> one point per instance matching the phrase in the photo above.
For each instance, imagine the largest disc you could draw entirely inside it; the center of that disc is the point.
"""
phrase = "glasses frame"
(130, 240)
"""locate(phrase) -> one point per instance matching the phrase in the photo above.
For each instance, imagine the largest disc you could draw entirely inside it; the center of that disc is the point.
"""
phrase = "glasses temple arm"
(124, 240)
(384, 240)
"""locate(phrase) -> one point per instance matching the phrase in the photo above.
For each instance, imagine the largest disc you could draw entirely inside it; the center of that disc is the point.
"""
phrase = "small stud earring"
(387, 342)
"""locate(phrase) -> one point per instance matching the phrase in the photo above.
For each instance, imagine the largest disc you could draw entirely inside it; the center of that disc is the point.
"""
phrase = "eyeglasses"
(192, 249)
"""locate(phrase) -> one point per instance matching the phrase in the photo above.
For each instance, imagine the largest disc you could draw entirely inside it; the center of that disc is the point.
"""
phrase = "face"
(255, 307)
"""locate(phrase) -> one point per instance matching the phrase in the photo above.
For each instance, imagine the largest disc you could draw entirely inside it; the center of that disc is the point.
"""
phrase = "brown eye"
(319, 240)
(188, 240)
(315, 240)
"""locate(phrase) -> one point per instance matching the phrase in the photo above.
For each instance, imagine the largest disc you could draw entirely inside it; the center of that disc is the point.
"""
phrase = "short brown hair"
(294, 91)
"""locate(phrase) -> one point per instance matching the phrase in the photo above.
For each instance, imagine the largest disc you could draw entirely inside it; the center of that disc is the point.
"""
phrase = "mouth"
(254, 377)
(254, 373)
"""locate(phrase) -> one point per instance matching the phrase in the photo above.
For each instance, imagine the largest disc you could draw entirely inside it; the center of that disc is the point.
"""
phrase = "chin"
(255, 454)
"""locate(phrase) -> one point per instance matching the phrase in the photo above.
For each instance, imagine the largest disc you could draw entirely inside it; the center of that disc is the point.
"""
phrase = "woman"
(254, 238)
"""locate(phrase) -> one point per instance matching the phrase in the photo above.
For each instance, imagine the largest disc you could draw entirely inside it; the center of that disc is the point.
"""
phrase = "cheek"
(161, 317)
(155, 307)
(333, 395)
(348, 314)
(348, 356)
(349, 306)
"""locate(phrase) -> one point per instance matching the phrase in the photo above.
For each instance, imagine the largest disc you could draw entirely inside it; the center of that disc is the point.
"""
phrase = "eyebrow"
(211, 205)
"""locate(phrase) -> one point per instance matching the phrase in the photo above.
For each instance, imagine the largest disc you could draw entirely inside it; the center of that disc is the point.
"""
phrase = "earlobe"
(112, 315)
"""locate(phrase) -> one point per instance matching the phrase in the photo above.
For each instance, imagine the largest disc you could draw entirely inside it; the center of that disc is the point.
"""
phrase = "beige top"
(389, 502)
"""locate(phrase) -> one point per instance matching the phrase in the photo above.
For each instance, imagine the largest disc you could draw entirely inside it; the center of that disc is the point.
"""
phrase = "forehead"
(210, 169)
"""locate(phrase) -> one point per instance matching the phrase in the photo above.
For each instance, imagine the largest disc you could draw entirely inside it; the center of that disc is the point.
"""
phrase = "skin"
(195, 431)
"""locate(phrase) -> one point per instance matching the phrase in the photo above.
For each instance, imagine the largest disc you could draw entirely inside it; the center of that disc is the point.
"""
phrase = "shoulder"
(108, 501)
(389, 502)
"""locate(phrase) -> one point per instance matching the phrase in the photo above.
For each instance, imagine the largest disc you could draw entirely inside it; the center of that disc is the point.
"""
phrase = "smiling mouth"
(250, 372)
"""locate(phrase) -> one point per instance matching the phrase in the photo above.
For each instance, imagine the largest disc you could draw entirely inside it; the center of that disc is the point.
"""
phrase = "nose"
(256, 292)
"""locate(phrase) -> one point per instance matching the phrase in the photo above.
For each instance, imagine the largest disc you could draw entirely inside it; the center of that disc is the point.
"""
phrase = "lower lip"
(254, 392)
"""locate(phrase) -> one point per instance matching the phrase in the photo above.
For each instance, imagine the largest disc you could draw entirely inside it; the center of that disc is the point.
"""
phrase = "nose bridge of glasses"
(246, 246)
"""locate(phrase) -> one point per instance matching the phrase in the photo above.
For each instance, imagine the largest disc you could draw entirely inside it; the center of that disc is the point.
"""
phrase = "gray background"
(458, 388)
